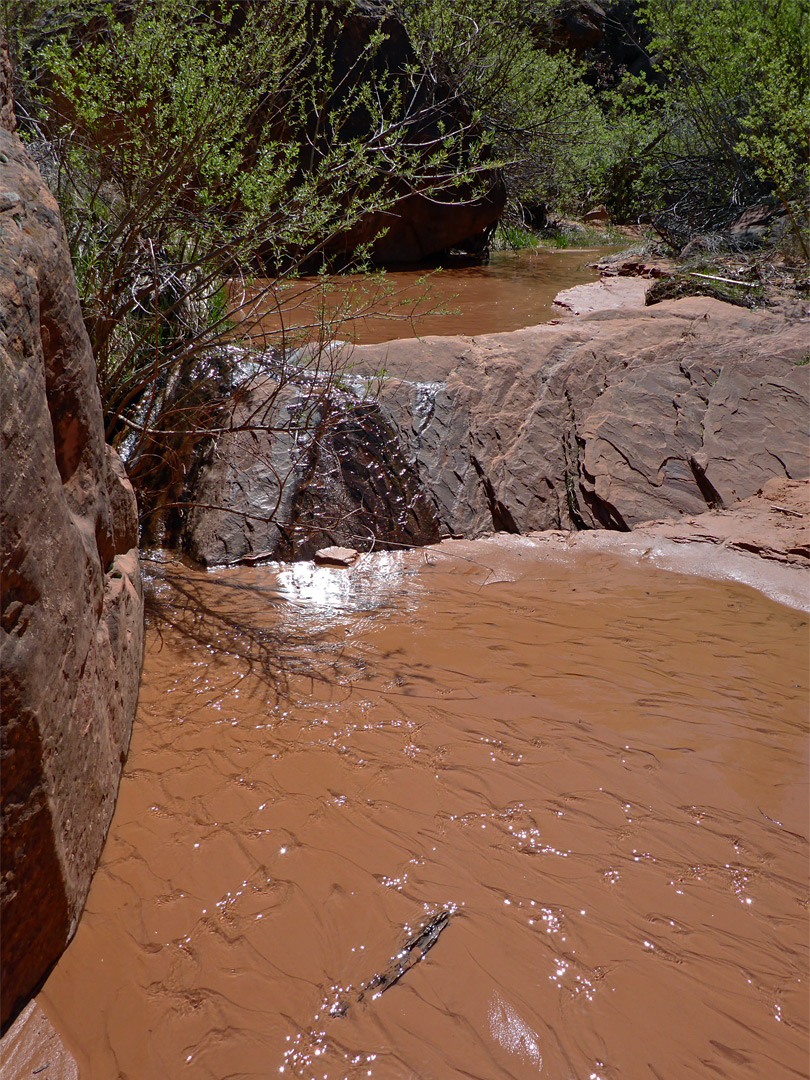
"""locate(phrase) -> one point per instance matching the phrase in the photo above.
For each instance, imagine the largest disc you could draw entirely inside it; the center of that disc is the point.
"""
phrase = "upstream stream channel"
(485, 810)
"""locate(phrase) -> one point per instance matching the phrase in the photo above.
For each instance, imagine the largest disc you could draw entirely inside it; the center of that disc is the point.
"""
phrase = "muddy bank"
(598, 768)
(762, 541)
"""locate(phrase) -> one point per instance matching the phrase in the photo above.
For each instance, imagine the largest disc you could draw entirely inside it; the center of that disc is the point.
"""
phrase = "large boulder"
(608, 37)
(72, 609)
(607, 420)
(578, 25)
(603, 421)
(368, 43)
(612, 419)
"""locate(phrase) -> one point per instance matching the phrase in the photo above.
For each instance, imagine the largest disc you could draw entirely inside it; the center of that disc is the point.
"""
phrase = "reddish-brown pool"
(599, 771)
(512, 290)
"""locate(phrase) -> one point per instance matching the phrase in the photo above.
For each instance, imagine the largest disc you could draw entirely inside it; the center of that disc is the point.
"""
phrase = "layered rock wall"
(72, 609)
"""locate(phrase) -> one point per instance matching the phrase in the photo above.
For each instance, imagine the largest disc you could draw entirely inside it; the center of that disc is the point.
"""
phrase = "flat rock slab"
(609, 294)
(336, 556)
(32, 1047)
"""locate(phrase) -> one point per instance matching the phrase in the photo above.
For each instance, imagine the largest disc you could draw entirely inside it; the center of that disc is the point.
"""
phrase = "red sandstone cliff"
(72, 606)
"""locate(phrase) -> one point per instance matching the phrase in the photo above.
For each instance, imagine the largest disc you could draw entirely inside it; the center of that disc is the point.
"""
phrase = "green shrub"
(191, 143)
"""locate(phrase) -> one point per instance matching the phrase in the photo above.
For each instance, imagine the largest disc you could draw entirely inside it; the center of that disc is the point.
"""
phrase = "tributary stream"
(589, 774)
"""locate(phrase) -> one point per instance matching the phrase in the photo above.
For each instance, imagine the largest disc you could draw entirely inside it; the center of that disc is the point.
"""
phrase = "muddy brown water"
(512, 290)
(599, 770)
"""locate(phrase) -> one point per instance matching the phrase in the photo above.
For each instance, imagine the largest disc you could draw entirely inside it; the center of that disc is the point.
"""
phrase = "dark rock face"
(72, 610)
(8, 121)
(342, 479)
(418, 225)
(579, 25)
(361, 490)
(614, 418)
(607, 36)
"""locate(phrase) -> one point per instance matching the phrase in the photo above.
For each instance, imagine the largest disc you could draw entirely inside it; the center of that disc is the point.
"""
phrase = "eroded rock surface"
(72, 610)
(773, 524)
(340, 477)
(607, 420)
(604, 421)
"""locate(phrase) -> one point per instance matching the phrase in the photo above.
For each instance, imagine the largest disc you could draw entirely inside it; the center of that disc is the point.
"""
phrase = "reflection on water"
(514, 1035)
(318, 594)
(600, 771)
(512, 290)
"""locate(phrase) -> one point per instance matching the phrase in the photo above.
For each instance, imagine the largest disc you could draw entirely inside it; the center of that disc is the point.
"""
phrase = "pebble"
(336, 556)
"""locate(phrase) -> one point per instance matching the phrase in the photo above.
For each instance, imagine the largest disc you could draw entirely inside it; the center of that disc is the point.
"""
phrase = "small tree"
(193, 146)
(735, 108)
(528, 101)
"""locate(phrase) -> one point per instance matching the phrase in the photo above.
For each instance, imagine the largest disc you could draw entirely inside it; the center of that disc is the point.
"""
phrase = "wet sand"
(512, 290)
(599, 769)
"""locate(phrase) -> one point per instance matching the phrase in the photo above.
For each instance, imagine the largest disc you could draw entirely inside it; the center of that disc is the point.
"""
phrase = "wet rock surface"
(337, 556)
(72, 608)
(341, 478)
(605, 421)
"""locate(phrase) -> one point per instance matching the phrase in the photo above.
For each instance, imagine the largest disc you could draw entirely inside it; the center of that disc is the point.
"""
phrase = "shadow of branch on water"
(239, 623)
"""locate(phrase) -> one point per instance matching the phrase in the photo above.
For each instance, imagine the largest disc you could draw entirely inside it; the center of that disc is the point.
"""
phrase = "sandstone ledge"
(762, 541)
(605, 420)
(774, 524)
(599, 421)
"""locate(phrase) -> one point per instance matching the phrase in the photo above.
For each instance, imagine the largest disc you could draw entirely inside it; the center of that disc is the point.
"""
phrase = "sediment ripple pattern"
(599, 770)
